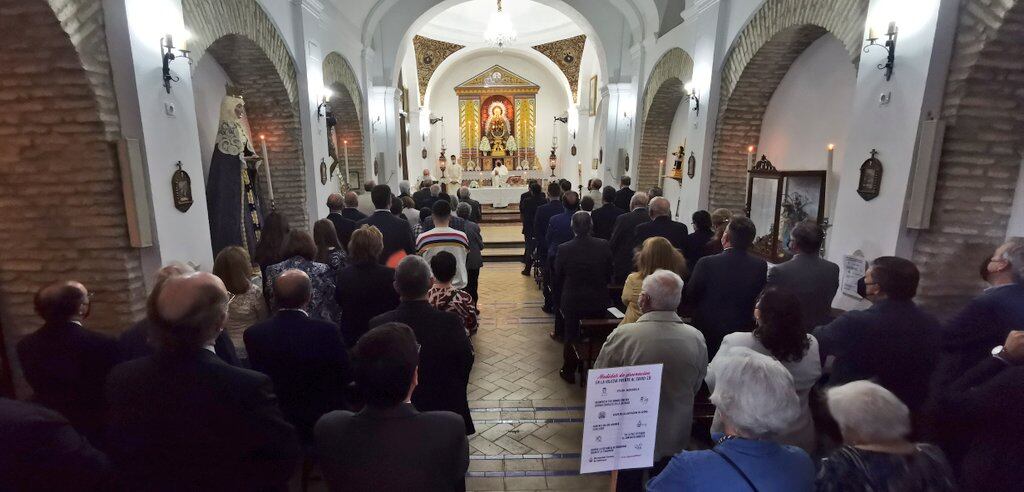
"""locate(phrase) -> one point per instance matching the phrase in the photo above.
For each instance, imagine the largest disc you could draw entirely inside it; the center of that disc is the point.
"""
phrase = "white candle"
(746, 187)
(266, 166)
(345, 144)
(828, 177)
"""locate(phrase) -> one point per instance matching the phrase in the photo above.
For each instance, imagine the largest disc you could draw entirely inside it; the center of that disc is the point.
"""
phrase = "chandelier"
(499, 29)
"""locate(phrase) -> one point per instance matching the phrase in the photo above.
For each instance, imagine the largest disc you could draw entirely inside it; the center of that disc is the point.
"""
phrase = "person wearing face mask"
(66, 364)
(893, 342)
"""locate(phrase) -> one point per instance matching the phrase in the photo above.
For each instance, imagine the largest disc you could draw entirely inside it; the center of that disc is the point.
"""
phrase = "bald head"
(293, 289)
(639, 200)
(61, 302)
(351, 199)
(335, 202)
(659, 207)
(188, 311)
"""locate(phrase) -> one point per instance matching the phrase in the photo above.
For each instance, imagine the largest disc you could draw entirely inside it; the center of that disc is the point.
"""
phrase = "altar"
(493, 195)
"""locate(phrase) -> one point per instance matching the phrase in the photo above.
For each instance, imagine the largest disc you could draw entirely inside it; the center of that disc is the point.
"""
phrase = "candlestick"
(829, 171)
(266, 166)
(746, 191)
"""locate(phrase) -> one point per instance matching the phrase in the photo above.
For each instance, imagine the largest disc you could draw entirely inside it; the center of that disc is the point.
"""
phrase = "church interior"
(141, 133)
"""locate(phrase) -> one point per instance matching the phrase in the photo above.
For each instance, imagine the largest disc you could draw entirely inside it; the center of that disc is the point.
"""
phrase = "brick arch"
(758, 59)
(662, 96)
(210, 20)
(349, 128)
(273, 114)
(61, 208)
(337, 71)
(981, 153)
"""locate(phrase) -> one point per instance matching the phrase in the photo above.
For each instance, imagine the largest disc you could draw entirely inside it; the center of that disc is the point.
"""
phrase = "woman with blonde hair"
(655, 254)
(247, 305)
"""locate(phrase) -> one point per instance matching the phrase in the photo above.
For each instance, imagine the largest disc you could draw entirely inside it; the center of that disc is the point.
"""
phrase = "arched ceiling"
(535, 23)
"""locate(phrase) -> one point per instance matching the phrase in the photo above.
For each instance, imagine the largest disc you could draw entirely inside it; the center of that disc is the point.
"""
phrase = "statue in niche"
(498, 129)
(232, 188)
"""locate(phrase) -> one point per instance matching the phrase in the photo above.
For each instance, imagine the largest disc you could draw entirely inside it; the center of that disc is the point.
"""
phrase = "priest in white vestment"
(500, 178)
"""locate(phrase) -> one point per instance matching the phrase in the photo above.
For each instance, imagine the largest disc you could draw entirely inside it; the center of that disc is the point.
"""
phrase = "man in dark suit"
(529, 202)
(136, 342)
(986, 321)
(661, 225)
(343, 226)
(624, 197)
(422, 196)
(396, 232)
(41, 451)
(63, 362)
(351, 210)
(605, 215)
(895, 343)
(582, 270)
(724, 287)
(540, 229)
(813, 279)
(560, 226)
(390, 445)
(182, 419)
(446, 355)
(698, 239)
(475, 214)
(622, 236)
(304, 357)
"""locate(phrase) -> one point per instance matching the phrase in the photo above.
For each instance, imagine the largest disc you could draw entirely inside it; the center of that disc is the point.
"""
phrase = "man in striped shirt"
(444, 238)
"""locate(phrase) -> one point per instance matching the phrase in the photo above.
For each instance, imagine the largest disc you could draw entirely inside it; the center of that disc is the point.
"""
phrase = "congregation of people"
(350, 350)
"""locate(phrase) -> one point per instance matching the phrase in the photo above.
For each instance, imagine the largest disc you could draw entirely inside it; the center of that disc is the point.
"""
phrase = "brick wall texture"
(61, 207)
(984, 113)
(662, 96)
(271, 114)
(753, 68)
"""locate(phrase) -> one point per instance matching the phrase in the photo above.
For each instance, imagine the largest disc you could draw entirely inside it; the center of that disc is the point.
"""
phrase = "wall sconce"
(691, 93)
(169, 52)
(890, 48)
(563, 119)
(322, 108)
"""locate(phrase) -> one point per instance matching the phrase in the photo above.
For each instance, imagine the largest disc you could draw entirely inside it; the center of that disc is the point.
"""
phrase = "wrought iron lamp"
(323, 108)
(890, 48)
(691, 93)
(170, 53)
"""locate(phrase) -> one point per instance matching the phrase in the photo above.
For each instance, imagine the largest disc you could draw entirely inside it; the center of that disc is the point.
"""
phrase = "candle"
(266, 166)
(746, 189)
(872, 34)
(750, 158)
(345, 143)
(828, 177)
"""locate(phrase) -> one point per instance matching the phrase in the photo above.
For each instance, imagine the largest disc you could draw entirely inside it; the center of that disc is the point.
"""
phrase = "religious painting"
(181, 184)
(496, 112)
(497, 119)
(870, 182)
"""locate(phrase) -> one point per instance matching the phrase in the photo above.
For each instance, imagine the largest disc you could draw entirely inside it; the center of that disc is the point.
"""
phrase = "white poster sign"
(854, 267)
(621, 418)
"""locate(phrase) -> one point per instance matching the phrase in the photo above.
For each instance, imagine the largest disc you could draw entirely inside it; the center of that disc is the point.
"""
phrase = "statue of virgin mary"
(232, 188)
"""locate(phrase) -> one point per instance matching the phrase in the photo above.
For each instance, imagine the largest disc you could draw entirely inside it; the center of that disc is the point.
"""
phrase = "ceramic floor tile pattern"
(528, 421)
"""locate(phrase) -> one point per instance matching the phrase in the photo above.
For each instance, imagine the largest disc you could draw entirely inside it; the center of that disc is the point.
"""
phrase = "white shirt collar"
(303, 311)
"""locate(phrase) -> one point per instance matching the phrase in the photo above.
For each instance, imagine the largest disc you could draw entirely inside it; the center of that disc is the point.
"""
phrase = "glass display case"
(777, 201)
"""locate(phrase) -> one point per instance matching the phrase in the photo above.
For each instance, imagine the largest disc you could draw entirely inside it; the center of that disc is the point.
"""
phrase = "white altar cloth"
(493, 195)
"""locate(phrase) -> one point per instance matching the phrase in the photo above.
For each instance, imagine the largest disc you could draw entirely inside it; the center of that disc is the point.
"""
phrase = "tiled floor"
(528, 420)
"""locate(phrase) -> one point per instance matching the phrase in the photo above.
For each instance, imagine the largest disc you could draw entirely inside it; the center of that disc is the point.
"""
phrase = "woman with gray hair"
(876, 455)
(755, 402)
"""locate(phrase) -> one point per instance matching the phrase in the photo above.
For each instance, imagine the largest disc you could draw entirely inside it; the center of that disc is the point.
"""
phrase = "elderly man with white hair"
(756, 401)
(876, 454)
(659, 336)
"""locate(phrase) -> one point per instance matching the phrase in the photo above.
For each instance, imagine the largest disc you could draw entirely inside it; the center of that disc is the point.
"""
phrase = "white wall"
(208, 84)
(683, 203)
(551, 101)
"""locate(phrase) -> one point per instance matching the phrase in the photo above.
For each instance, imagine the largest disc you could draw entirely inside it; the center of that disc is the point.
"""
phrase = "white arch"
(528, 53)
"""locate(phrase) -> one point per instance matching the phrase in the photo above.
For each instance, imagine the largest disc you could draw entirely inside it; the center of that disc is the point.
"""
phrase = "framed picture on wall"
(593, 95)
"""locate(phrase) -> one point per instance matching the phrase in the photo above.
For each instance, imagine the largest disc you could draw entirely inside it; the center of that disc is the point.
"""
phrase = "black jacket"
(188, 421)
(353, 214)
(396, 449)
(528, 205)
(446, 357)
(422, 198)
(623, 197)
(724, 288)
(363, 290)
(475, 214)
(307, 362)
(397, 234)
(540, 224)
(583, 267)
(694, 250)
(604, 220)
(135, 344)
(894, 343)
(66, 365)
(675, 232)
(41, 451)
(622, 242)
(343, 227)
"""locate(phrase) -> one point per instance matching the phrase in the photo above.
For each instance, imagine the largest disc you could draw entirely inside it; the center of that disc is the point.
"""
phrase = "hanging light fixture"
(499, 31)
